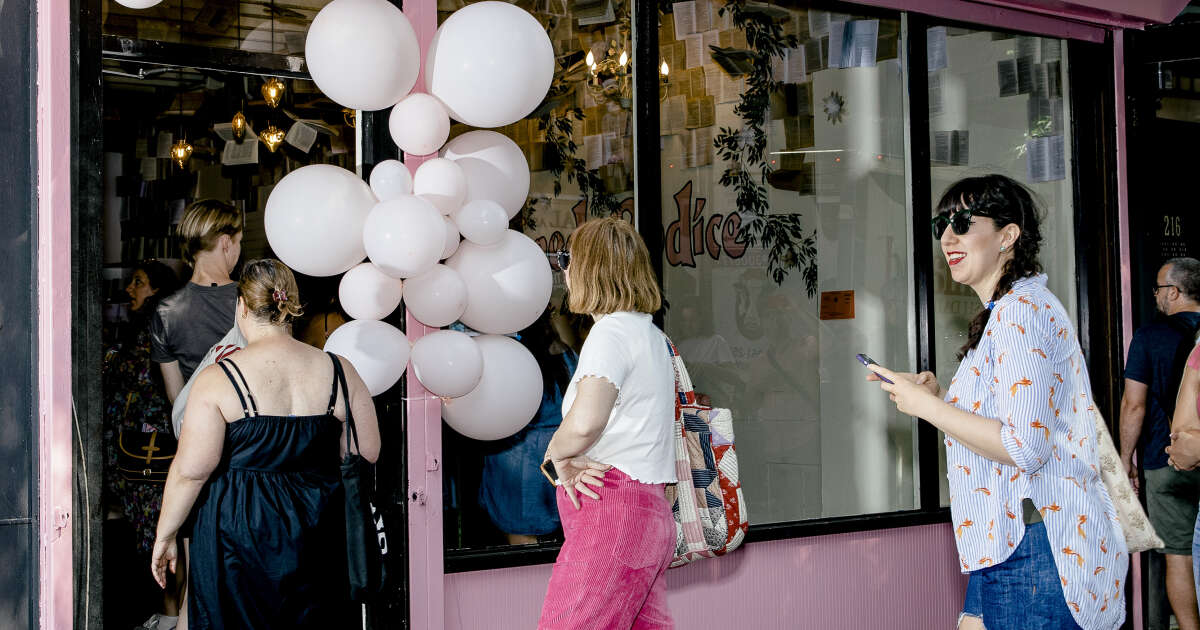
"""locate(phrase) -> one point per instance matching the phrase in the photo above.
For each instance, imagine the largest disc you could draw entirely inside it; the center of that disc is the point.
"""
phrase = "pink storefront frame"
(478, 590)
(897, 568)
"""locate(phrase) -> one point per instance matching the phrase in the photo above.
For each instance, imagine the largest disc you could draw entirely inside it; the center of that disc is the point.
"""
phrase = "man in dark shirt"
(1151, 383)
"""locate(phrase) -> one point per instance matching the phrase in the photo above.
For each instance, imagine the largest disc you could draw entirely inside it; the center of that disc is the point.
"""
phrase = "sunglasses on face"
(959, 221)
(561, 259)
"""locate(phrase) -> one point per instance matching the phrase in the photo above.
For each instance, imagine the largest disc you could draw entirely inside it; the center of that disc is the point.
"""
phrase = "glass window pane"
(998, 104)
(259, 26)
(579, 147)
(780, 268)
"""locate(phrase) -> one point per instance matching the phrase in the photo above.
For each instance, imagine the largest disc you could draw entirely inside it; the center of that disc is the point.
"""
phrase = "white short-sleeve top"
(629, 351)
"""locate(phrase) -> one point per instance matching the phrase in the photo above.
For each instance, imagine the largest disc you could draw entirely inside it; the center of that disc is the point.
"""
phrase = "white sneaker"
(159, 622)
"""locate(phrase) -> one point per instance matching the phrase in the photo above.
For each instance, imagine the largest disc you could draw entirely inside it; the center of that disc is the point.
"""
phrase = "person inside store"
(257, 475)
(1157, 354)
(1184, 451)
(1033, 523)
(188, 323)
(613, 453)
(136, 421)
(514, 494)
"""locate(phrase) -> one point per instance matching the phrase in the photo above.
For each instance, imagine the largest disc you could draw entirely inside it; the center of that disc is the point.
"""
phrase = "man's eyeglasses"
(560, 259)
(1154, 291)
(959, 221)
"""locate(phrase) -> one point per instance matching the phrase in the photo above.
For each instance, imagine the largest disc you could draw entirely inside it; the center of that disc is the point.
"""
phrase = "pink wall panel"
(56, 583)
(897, 578)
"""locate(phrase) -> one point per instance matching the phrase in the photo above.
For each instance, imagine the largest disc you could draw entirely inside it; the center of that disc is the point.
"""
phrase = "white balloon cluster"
(323, 220)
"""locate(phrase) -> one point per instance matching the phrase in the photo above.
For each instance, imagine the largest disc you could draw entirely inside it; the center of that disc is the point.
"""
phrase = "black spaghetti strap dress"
(268, 543)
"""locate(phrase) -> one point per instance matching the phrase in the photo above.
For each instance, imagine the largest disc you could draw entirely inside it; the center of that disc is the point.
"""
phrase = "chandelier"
(610, 75)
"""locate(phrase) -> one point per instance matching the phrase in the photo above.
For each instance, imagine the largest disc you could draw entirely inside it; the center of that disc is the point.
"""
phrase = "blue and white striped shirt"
(1028, 372)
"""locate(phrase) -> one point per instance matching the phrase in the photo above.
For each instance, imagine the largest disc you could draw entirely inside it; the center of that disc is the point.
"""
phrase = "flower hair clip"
(279, 295)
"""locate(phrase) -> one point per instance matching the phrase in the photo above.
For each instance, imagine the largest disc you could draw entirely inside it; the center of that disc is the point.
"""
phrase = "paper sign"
(837, 305)
(301, 136)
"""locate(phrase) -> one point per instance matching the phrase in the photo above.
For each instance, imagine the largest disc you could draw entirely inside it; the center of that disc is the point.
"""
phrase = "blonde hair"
(203, 223)
(610, 270)
(269, 290)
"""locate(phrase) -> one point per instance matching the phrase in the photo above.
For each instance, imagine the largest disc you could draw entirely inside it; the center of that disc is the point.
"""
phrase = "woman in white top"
(615, 444)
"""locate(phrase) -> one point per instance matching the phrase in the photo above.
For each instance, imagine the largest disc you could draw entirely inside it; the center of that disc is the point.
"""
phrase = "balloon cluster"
(436, 238)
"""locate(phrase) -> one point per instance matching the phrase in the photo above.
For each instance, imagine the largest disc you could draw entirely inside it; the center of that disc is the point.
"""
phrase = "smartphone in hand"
(866, 360)
(549, 472)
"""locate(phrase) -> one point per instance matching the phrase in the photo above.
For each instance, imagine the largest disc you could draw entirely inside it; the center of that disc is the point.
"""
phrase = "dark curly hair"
(1004, 201)
(162, 279)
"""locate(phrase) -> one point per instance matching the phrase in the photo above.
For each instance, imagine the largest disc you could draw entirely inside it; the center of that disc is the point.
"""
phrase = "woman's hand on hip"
(914, 394)
(1184, 450)
(577, 473)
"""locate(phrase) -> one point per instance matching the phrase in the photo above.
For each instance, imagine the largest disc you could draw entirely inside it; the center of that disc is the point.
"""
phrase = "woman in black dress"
(258, 460)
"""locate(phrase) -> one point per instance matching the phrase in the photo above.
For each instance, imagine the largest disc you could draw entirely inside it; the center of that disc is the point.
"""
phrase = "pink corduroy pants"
(609, 573)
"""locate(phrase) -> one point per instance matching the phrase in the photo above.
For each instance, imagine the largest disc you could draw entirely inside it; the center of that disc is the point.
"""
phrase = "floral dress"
(134, 400)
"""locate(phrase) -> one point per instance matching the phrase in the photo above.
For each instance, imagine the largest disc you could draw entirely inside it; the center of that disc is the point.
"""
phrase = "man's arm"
(1133, 412)
(172, 379)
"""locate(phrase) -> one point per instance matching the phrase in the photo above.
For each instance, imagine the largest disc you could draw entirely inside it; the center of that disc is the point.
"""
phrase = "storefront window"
(579, 144)
(998, 104)
(787, 252)
(255, 26)
(149, 109)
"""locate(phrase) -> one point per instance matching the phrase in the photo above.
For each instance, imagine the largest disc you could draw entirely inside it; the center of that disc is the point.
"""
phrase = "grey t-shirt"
(188, 322)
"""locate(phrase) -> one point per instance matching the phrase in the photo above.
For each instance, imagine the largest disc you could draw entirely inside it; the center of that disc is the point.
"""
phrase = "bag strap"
(685, 394)
(340, 377)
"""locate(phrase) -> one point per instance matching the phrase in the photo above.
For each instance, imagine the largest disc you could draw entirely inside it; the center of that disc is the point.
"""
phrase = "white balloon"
(367, 293)
(138, 4)
(404, 236)
(482, 222)
(447, 363)
(442, 183)
(508, 284)
(478, 86)
(494, 167)
(363, 54)
(377, 350)
(391, 179)
(508, 395)
(314, 219)
(437, 297)
(419, 124)
(452, 239)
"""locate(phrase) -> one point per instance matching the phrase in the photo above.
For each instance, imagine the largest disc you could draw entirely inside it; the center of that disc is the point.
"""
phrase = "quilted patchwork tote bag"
(710, 514)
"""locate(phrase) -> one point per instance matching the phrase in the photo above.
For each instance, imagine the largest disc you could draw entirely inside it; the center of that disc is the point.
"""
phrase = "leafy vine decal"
(562, 159)
(789, 247)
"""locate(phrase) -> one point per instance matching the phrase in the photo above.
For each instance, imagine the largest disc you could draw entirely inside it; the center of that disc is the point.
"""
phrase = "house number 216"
(1172, 225)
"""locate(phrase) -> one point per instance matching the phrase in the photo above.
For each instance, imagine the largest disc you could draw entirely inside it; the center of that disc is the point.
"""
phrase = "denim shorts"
(1023, 592)
(1196, 555)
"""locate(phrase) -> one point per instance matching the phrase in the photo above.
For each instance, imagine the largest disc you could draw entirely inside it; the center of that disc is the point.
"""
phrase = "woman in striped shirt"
(1033, 523)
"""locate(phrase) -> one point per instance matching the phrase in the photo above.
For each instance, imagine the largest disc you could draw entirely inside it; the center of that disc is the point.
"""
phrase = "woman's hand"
(925, 379)
(914, 394)
(1184, 450)
(162, 558)
(577, 473)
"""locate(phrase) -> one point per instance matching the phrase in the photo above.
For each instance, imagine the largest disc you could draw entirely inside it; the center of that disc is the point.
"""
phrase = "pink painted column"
(426, 591)
(56, 587)
(1135, 565)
